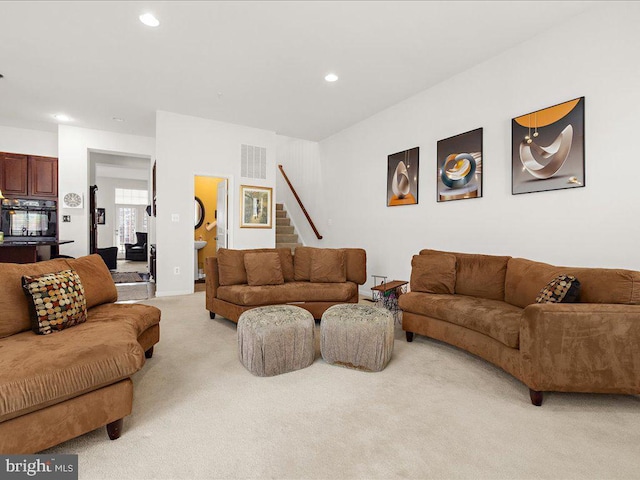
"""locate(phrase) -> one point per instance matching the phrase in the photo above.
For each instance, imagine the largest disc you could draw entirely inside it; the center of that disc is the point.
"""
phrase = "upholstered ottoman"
(276, 339)
(357, 336)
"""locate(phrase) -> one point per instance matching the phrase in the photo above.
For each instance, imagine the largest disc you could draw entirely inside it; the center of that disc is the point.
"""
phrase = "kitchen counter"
(23, 251)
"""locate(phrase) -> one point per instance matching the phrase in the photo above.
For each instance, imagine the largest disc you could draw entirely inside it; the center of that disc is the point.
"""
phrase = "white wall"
(74, 145)
(592, 56)
(188, 146)
(30, 142)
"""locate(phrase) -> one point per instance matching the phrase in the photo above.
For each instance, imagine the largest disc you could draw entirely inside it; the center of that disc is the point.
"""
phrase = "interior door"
(221, 238)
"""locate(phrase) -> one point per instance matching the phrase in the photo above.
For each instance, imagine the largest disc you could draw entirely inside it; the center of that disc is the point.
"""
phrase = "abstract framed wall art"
(548, 148)
(459, 161)
(402, 177)
(255, 207)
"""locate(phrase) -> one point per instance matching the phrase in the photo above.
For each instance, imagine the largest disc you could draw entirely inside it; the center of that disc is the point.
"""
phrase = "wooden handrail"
(304, 210)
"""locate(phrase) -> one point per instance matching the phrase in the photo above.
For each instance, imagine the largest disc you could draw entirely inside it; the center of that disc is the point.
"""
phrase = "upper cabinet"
(14, 177)
(28, 175)
(43, 177)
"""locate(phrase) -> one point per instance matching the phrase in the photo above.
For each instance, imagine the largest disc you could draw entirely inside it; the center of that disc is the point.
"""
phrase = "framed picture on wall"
(255, 207)
(100, 216)
(459, 173)
(548, 148)
(402, 177)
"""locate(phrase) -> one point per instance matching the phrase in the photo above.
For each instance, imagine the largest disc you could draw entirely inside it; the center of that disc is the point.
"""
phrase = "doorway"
(210, 220)
(119, 219)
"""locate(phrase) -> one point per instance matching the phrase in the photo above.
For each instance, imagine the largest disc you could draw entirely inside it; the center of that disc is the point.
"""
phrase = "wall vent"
(254, 162)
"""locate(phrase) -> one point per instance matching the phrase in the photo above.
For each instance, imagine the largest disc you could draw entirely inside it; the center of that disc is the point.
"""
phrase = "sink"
(199, 244)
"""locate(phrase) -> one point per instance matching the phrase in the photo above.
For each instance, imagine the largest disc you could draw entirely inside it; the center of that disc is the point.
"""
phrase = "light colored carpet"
(435, 412)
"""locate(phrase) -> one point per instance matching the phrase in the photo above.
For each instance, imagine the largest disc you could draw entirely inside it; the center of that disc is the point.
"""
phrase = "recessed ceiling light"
(332, 77)
(61, 117)
(149, 20)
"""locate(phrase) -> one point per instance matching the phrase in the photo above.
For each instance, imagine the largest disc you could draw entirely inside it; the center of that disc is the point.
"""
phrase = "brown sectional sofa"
(58, 386)
(486, 305)
(312, 278)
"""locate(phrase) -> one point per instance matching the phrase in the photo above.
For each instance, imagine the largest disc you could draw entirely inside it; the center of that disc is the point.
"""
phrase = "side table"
(386, 295)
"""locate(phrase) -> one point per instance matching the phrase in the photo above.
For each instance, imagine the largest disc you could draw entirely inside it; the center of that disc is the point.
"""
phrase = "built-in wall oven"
(29, 220)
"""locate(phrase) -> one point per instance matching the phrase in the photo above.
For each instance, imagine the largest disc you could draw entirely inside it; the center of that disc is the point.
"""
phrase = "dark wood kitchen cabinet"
(43, 176)
(28, 175)
(14, 176)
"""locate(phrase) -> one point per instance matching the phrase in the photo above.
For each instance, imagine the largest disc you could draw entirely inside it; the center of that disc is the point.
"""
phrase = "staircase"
(286, 236)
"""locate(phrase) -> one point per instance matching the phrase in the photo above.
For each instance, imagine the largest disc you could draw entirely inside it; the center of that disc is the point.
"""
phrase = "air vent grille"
(254, 162)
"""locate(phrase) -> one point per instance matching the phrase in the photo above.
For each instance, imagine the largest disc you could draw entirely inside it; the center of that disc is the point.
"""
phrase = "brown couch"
(58, 386)
(487, 305)
(313, 278)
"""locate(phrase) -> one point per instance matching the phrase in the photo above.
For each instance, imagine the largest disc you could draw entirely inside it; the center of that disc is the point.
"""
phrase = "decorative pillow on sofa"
(562, 289)
(328, 265)
(231, 269)
(263, 268)
(56, 301)
(433, 273)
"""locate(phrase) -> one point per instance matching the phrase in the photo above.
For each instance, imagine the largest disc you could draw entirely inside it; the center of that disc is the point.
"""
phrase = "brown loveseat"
(313, 278)
(487, 305)
(58, 386)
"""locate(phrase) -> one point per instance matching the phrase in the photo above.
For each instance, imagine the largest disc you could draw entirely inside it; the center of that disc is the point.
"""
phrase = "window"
(129, 196)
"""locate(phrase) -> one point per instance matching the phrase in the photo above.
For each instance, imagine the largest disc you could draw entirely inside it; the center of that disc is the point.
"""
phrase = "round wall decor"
(72, 200)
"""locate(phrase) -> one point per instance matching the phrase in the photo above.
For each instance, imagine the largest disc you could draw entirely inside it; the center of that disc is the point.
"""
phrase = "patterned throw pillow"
(56, 301)
(562, 289)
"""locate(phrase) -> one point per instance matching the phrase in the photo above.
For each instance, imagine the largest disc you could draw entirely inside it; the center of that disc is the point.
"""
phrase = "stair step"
(285, 230)
(281, 214)
(287, 238)
(292, 246)
(279, 206)
(283, 221)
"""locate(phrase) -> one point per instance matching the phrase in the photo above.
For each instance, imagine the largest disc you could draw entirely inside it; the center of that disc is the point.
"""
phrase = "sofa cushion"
(291, 292)
(56, 301)
(231, 269)
(96, 279)
(493, 318)
(263, 268)
(562, 289)
(14, 307)
(433, 273)
(328, 266)
(41, 370)
(302, 264)
(525, 278)
(141, 317)
(356, 260)
(478, 275)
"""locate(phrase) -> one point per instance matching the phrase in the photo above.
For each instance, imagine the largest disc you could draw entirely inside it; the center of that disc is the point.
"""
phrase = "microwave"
(29, 220)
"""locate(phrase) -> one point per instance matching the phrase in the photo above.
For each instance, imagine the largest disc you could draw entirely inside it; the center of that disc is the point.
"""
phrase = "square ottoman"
(357, 336)
(276, 339)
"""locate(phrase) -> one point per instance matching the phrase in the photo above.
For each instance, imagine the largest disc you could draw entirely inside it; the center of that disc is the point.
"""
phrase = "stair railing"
(304, 210)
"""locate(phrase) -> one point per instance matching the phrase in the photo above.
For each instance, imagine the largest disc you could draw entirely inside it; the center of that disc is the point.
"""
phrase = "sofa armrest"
(211, 279)
(581, 347)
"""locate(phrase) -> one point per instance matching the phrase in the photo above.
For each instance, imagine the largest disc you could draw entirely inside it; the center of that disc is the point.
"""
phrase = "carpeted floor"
(435, 412)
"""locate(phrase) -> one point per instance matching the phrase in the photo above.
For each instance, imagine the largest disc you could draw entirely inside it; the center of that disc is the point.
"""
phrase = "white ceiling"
(259, 64)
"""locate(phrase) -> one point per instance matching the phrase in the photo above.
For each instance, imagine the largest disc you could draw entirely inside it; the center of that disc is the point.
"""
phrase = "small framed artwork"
(255, 207)
(548, 148)
(100, 216)
(402, 177)
(459, 174)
